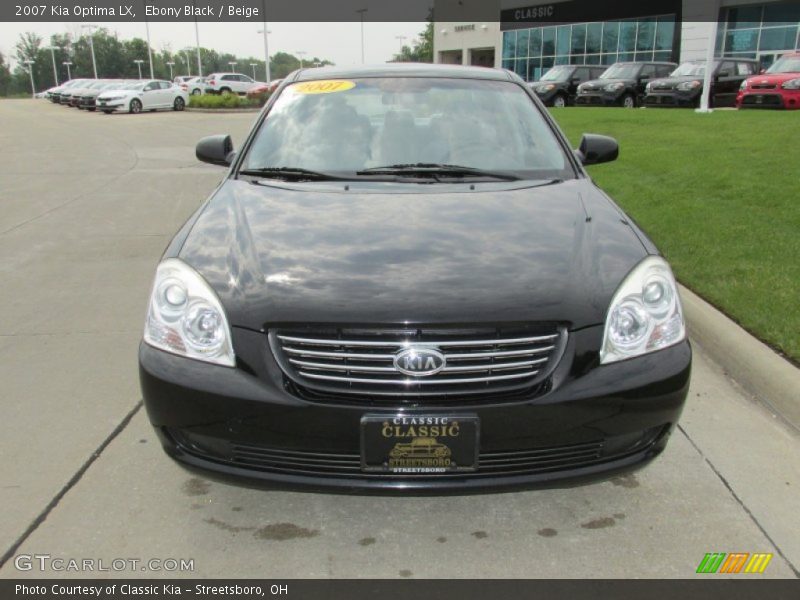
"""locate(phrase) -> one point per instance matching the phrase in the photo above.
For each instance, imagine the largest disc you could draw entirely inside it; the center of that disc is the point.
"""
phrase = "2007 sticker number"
(327, 86)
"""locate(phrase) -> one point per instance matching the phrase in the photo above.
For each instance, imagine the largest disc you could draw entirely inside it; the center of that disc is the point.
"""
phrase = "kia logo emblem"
(419, 361)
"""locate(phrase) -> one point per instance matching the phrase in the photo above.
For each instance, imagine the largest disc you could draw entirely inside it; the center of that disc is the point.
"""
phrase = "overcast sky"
(338, 42)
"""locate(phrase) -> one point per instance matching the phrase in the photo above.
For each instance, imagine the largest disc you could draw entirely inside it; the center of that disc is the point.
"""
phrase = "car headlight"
(689, 85)
(743, 86)
(110, 98)
(792, 84)
(613, 87)
(647, 88)
(645, 313)
(185, 316)
(546, 88)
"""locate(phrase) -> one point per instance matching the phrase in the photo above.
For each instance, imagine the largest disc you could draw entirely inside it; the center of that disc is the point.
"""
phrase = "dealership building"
(530, 36)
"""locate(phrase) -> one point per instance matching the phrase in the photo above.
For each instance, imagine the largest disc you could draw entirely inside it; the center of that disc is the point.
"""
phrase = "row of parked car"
(123, 95)
(734, 82)
(225, 83)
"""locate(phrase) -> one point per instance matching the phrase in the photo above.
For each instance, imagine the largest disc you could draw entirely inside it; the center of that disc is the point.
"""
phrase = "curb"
(752, 364)
(222, 110)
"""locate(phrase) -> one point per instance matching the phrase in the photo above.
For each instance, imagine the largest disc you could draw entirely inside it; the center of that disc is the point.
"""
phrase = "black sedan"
(407, 281)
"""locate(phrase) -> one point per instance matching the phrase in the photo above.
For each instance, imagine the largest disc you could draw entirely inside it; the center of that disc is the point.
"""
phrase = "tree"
(5, 76)
(422, 50)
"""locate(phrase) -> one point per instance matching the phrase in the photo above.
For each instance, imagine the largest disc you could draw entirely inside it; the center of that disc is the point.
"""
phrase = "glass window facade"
(531, 52)
(761, 31)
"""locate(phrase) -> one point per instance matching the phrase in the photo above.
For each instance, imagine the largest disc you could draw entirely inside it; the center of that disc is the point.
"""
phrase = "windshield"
(346, 126)
(787, 64)
(621, 71)
(557, 74)
(690, 69)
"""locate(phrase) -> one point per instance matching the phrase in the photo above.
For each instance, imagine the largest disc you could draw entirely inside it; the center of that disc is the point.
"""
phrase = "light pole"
(149, 50)
(197, 43)
(301, 54)
(402, 39)
(91, 29)
(170, 64)
(254, 65)
(139, 62)
(67, 64)
(30, 72)
(361, 12)
(188, 63)
(265, 31)
(232, 65)
(53, 55)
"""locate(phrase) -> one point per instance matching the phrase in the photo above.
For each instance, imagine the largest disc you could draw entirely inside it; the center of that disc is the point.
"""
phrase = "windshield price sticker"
(327, 86)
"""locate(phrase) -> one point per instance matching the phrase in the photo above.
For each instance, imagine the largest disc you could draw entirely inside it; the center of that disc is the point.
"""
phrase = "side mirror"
(595, 149)
(216, 150)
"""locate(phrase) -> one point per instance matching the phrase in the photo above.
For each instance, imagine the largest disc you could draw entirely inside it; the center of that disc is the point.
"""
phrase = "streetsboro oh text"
(165, 589)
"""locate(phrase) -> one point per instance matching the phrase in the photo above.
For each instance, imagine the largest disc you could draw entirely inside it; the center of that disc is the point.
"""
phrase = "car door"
(167, 94)
(726, 84)
(150, 98)
(578, 76)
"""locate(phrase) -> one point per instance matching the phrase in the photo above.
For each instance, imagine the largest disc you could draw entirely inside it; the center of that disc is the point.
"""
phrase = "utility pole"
(53, 55)
(361, 12)
(149, 50)
(170, 64)
(301, 54)
(197, 43)
(265, 31)
(91, 29)
(139, 62)
(66, 63)
(254, 65)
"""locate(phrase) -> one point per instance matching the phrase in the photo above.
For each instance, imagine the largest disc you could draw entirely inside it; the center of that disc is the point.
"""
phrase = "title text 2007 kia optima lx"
(407, 281)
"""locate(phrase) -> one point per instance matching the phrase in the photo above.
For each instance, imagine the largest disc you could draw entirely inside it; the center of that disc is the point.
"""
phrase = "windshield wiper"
(435, 169)
(291, 174)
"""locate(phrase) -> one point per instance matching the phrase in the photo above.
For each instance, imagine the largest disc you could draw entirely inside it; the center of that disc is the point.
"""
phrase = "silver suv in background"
(229, 83)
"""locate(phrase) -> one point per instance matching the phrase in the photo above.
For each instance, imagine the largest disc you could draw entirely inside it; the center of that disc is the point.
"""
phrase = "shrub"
(221, 101)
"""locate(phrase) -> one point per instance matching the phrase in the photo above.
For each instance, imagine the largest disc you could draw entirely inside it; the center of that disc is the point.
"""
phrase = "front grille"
(763, 86)
(762, 100)
(660, 100)
(524, 462)
(359, 363)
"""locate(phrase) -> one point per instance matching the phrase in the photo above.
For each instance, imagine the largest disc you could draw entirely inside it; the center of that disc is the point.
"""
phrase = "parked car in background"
(147, 94)
(229, 83)
(194, 86)
(55, 92)
(70, 97)
(622, 84)
(778, 87)
(559, 86)
(369, 273)
(684, 86)
(182, 79)
(89, 98)
(92, 88)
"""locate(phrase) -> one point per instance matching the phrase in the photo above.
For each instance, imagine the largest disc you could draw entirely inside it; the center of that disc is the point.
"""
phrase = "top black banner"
(513, 13)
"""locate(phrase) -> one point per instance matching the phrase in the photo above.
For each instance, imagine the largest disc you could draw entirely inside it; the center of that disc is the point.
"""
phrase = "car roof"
(402, 70)
(642, 62)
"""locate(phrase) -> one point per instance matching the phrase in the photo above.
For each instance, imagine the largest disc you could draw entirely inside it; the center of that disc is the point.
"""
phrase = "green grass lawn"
(720, 195)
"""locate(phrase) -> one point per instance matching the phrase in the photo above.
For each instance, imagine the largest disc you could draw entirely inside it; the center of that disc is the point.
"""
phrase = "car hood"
(772, 78)
(111, 93)
(598, 84)
(671, 82)
(303, 253)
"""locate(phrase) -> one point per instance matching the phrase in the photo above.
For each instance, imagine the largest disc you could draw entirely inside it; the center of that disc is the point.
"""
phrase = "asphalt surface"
(87, 204)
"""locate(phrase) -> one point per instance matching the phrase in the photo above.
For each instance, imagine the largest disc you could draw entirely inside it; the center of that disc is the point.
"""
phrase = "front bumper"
(671, 99)
(773, 98)
(242, 424)
(113, 105)
(599, 99)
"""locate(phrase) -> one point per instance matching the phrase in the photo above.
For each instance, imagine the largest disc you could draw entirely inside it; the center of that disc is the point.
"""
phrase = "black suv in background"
(622, 84)
(559, 85)
(685, 85)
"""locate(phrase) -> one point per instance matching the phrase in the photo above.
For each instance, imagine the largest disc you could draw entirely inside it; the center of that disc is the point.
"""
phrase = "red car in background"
(262, 91)
(778, 87)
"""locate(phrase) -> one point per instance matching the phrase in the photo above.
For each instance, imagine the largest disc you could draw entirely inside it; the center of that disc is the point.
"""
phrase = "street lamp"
(265, 31)
(139, 62)
(301, 54)
(67, 64)
(30, 72)
(188, 64)
(91, 29)
(361, 12)
(53, 55)
(402, 39)
(149, 50)
(254, 65)
(233, 65)
(197, 43)
(170, 64)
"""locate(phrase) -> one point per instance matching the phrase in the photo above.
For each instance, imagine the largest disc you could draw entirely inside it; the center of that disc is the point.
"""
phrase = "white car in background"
(147, 94)
(229, 83)
(194, 86)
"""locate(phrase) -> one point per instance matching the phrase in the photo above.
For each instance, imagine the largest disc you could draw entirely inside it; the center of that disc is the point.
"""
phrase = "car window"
(726, 69)
(229, 77)
(581, 73)
(595, 73)
(165, 85)
(621, 71)
(744, 68)
(648, 71)
(153, 85)
(245, 78)
(393, 121)
(664, 70)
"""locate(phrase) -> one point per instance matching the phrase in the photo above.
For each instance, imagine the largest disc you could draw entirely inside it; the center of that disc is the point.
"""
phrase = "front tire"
(628, 101)
(196, 92)
(179, 104)
(559, 101)
(224, 91)
(135, 106)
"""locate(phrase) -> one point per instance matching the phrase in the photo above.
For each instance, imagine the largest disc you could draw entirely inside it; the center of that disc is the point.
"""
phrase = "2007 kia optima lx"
(407, 281)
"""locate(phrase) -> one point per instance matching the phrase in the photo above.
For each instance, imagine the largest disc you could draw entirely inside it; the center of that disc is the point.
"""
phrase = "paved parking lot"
(87, 204)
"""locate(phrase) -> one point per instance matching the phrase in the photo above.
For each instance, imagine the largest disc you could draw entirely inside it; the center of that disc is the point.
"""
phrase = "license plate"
(759, 99)
(419, 444)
